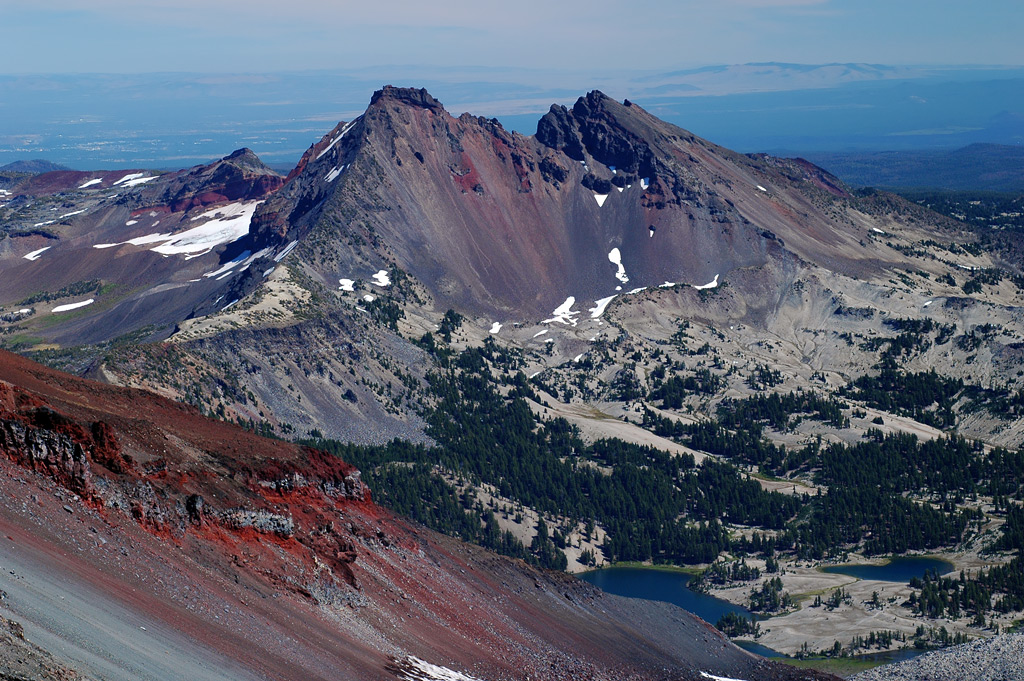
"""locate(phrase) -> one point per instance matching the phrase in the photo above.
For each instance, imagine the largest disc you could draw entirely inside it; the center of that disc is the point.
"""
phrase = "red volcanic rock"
(275, 561)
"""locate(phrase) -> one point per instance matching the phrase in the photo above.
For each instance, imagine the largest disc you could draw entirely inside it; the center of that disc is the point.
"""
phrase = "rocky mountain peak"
(411, 96)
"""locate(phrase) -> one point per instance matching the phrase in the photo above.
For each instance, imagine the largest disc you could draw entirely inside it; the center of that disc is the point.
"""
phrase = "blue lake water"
(659, 585)
(901, 569)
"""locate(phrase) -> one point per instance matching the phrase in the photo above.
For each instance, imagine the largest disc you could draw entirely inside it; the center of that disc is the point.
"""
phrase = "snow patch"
(368, 298)
(73, 306)
(43, 224)
(667, 284)
(345, 129)
(711, 284)
(928, 303)
(34, 255)
(225, 225)
(495, 327)
(600, 199)
(133, 180)
(600, 306)
(25, 310)
(131, 222)
(333, 175)
(90, 183)
(67, 215)
(636, 290)
(616, 259)
(645, 183)
(718, 678)
(578, 357)
(564, 313)
(287, 249)
(540, 333)
(875, 229)
(347, 284)
(381, 278)
(415, 669)
(761, 188)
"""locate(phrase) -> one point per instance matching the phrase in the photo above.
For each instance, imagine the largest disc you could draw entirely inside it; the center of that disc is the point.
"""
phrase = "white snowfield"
(133, 179)
(495, 327)
(599, 307)
(711, 284)
(616, 259)
(645, 183)
(564, 313)
(600, 198)
(287, 249)
(74, 306)
(224, 225)
(415, 669)
(67, 215)
(718, 678)
(90, 183)
(381, 279)
(761, 188)
(347, 284)
(34, 255)
(348, 126)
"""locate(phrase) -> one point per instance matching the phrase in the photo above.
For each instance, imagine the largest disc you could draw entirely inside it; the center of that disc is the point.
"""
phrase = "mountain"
(35, 167)
(608, 341)
(142, 538)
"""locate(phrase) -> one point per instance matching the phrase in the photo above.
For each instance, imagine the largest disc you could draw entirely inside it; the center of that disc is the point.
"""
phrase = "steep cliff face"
(276, 561)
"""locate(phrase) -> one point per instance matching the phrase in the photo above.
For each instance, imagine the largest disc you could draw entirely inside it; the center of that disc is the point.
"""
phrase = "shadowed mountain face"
(175, 544)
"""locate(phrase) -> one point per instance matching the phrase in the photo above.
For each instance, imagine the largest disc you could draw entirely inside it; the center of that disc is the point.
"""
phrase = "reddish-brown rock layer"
(273, 556)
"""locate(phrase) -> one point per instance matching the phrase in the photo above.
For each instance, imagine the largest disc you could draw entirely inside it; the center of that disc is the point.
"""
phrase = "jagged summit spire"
(416, 97)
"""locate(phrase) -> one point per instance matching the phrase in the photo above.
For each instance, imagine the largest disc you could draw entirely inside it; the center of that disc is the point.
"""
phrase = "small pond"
(900, 569)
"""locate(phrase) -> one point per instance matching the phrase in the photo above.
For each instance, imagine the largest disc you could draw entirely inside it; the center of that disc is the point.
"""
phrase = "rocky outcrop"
(241, 176)
(995, 658)
(44, 451)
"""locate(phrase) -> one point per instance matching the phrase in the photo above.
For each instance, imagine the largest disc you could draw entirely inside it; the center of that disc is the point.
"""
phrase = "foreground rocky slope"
(996, 658)
(142, 538)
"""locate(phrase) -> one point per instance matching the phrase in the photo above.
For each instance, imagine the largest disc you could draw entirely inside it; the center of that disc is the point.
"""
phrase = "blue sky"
(590, 36)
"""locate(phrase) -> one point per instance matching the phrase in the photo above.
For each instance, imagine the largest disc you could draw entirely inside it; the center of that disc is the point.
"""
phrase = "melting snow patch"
(287, 249)
(578, 357)
(128, 178)
(645, 183)
(381, 278)
(34, 255)
(667, 284)
(618, 288)
(540, 333)
(564, 313)
(415, 669)
(620, 189)
(25, 310)
(600, 199)
(717, 678)
(105, 245)
(43, 224)
(333, 175)
(599, 307)
(229, 304)
(225, 225)
(875, 229)
(711, 284)
(73, 306)
(928, 303)
(347, 284)
(616, 259)
(368, 298)
(761, 188)
(67, 215)
(90, 183)
(131, 222)
(495, 327)
(141, 180)
(637, 290)
(337, 139)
